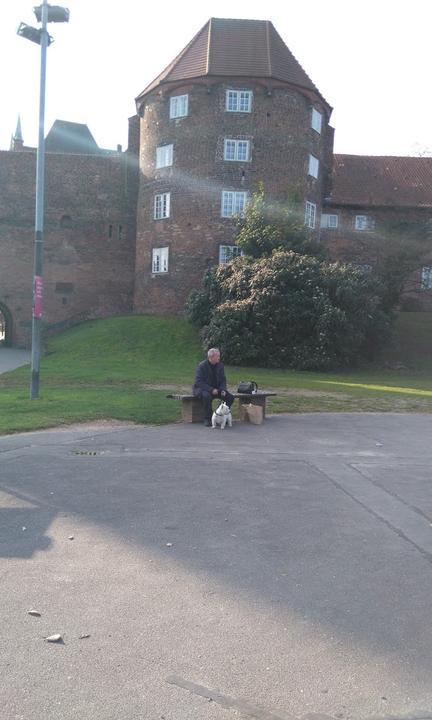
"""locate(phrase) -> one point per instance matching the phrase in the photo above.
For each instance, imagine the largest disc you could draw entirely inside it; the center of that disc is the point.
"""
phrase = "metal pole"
(39, 217)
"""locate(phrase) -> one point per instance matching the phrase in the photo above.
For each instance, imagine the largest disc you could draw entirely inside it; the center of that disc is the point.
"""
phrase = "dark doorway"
(5, 327)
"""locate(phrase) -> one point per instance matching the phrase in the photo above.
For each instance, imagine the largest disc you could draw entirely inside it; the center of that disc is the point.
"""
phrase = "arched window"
(5, 326)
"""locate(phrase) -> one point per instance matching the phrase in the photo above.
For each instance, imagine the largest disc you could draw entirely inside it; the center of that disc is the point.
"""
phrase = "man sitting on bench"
(210, 383)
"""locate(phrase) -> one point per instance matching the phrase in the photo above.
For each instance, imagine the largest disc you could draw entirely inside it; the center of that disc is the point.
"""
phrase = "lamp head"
(29, 33)
(55, 13)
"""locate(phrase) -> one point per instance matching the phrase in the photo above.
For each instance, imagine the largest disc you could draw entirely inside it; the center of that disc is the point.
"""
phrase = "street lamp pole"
(39, 217)
(44, 14)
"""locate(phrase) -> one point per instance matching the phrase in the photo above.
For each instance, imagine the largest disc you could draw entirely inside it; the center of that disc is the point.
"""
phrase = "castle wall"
(100, 227)
(89, 238)
(281, 138)
(394, 227)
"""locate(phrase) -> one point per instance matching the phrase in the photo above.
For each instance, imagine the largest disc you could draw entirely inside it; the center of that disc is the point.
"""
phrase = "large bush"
(289, 310)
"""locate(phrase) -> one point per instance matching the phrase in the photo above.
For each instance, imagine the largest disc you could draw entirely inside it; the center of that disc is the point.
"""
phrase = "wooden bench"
(192, 409)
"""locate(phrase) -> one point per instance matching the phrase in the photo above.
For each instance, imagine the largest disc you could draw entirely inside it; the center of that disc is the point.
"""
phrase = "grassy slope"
(103, 369)
(413, 341)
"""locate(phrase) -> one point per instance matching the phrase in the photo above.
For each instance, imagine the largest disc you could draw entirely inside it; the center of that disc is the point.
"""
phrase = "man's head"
(213, 356)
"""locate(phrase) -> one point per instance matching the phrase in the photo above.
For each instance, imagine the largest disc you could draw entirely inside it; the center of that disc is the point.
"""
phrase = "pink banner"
(37, 296)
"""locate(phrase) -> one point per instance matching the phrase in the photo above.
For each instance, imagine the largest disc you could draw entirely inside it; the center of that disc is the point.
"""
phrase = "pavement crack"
(226, 701)
(14, 449)
(380, 517)
(392, 494)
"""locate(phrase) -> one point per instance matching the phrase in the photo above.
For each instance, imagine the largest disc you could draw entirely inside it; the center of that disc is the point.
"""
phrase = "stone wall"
(89, 238)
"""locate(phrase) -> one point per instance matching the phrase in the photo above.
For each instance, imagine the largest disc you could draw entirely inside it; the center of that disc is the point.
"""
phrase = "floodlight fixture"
(30, 33)
(55, 13)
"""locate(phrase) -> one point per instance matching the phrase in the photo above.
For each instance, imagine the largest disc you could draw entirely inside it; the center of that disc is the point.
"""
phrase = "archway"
(5, 326)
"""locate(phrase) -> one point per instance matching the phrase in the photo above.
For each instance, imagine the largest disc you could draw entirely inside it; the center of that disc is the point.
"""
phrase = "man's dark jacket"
(204, 380)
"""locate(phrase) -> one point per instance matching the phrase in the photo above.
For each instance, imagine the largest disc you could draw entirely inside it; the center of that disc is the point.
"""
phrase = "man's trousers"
(207, 399)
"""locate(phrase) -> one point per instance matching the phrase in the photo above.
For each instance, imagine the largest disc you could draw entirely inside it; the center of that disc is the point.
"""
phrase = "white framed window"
(310, 214)
(228, 252)
(236, 150)
(426, 278)
(233, 203)
(160, 260)
(179, 106)
(313, 168)
(162, 206)
(329, 221)
(164, 156)
(238, 101)
(316, 121)
(364, 222)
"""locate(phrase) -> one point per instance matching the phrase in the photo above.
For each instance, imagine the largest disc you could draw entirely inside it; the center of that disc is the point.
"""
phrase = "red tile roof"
(382, 181)
(235, 48)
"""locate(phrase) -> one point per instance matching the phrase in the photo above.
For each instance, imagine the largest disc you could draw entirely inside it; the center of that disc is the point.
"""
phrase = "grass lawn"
(123, 368)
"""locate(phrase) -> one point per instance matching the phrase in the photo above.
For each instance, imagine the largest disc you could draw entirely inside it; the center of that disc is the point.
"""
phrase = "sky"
(371, 60)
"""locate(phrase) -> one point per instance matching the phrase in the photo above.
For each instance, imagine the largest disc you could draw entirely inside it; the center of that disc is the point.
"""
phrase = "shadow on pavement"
(270, 527)
(23, 531)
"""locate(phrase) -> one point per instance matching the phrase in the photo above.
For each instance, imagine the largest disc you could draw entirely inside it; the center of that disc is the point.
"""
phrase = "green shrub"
(290, 310)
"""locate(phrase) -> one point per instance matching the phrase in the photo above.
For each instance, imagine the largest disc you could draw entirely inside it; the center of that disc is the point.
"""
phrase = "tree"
(420, 150)
(266, 227)
(394, 254)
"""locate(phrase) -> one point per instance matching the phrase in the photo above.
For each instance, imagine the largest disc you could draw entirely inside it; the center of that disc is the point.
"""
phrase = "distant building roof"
(235, 48)
(382, 181)
(73, 138)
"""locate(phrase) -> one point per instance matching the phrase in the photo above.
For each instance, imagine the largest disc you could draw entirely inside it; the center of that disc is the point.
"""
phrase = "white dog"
(222, 416)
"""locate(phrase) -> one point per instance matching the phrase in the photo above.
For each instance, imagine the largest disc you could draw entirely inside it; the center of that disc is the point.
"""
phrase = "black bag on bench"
(247, 387)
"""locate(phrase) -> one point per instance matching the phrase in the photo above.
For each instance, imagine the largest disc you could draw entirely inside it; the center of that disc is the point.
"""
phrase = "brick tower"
(232, 109)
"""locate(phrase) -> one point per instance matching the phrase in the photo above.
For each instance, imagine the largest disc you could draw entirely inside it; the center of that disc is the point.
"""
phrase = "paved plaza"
(277, 572)
(11, 358)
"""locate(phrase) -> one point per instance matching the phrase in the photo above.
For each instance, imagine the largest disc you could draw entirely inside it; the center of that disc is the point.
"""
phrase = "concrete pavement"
(11, 358)
(277, 572)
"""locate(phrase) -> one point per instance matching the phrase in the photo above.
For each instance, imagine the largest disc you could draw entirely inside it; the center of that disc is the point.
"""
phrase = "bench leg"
(192, 410)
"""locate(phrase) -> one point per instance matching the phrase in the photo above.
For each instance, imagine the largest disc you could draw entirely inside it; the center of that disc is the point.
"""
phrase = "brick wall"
(281, 138)
(350, 245)
(89, 238)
